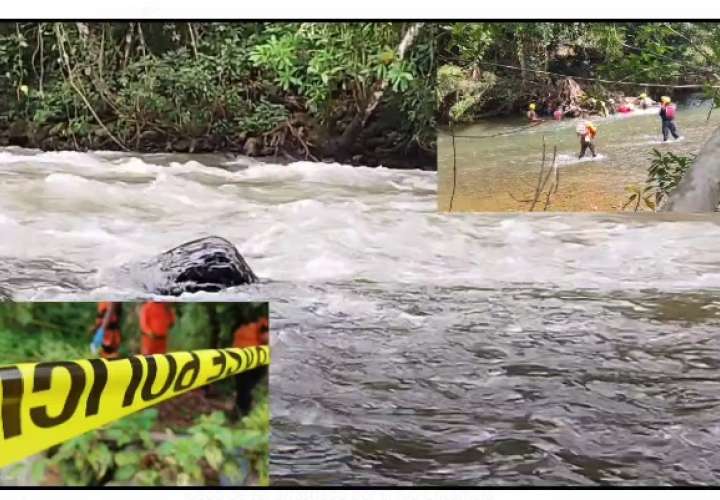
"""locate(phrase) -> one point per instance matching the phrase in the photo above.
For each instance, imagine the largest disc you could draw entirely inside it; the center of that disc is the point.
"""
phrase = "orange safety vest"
(156, 320)
(252, 334)
(111, 339)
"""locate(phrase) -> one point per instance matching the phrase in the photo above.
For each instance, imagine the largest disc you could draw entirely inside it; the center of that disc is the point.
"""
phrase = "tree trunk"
(521, 60)
(357, 125)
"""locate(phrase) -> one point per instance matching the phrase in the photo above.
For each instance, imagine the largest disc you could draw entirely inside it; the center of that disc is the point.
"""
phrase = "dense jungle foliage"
(258, 88)
(497, 68)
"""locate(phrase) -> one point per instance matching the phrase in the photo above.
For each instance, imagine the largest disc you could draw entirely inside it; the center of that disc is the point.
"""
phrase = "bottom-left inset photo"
(134, 394)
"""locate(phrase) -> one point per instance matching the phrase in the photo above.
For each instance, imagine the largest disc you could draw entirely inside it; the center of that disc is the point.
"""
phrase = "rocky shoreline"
(374, 146)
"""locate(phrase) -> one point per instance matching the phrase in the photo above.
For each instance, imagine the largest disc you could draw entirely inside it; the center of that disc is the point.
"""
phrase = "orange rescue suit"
(111, 340)
(252, 334)
(156, 320)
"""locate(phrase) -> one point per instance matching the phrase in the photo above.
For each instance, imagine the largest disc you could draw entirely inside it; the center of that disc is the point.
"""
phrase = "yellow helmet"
(532, 106)
(643, 95)
(665, 99)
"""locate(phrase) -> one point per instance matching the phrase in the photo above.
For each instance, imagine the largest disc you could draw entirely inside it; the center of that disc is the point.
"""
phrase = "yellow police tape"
(44, 404)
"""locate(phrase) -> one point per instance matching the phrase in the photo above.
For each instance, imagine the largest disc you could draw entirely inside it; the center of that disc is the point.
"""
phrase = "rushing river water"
(411, 347)
(499, 173)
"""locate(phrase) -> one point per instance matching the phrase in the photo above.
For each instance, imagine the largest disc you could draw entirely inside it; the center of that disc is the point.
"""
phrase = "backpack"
(670, 112)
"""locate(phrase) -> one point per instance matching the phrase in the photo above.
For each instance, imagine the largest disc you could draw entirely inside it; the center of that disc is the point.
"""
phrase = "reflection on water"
(411, 347)
(498, 173)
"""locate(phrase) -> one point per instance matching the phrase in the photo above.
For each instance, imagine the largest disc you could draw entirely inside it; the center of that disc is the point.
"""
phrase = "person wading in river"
(667, 116)
(587, 132)
(156, 320)
(107, 337)
(532, 115)
(643, 101)
(249, 335)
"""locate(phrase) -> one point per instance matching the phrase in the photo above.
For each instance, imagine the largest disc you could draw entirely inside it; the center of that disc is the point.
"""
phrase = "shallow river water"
(499, 173)
(411, 347)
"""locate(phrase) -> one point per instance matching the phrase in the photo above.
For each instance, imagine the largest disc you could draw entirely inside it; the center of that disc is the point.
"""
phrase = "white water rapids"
(411, 347)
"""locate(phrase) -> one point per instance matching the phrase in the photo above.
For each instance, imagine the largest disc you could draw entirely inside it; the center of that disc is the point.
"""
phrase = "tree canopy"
(256, 87)
(496, 68)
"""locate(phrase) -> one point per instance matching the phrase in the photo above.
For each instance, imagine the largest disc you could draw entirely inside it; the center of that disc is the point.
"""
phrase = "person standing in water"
(667, 116)
(532, 115)
(587, 133)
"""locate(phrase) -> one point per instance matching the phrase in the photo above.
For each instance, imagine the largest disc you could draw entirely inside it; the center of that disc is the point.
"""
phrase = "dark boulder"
(208, 264)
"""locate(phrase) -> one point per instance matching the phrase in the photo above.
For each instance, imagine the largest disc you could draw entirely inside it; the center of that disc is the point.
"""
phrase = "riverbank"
(380, 144)
(353, 93)
(502, 69)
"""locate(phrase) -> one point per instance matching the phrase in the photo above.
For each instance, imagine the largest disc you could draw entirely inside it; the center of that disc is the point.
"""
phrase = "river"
(499, 174)
(412, 347)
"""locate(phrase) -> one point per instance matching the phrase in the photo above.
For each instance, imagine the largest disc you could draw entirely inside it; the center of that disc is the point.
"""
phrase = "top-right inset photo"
(579, 117)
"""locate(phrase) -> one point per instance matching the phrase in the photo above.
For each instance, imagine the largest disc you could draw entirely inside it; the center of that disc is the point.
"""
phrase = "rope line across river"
(601, 80)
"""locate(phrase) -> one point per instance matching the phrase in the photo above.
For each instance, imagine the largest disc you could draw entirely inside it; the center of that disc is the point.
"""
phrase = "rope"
(512, 131)
(601, 80)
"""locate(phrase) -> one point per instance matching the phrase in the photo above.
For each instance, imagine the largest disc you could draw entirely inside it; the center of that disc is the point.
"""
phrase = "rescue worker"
(644, 101)
(611, 106)
(624, 107)
(667, 116)
(532, 115)
(251, 334)
(587, 132)
(156, 320)
(106, 341)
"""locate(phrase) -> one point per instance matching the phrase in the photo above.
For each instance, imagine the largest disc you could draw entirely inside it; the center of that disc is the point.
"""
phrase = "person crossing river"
(587, 132)
(667, 116)
(532, 114)
(644, 102)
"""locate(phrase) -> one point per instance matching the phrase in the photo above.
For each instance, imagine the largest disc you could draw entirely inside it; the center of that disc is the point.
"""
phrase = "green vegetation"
(303, 89)
(129, 452)
(143, 449)
(497, 68)
(666, 170)
(53, 331)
